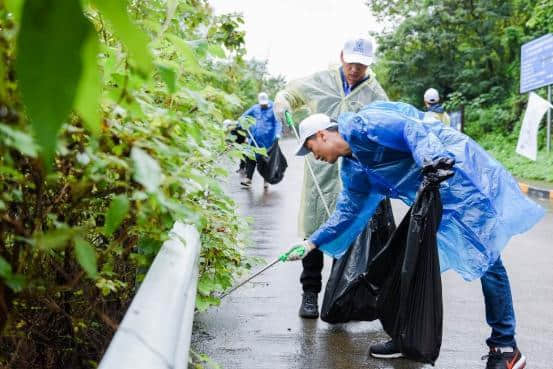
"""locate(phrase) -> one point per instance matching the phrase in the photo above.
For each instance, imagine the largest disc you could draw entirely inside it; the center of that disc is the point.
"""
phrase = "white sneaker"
(265, 184)
(246, 182)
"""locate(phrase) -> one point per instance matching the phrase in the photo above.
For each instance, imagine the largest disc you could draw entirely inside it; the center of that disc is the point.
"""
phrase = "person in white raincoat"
(346, 88)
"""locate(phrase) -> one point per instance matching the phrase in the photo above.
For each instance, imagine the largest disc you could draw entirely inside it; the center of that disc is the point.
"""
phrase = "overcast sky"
(299, 37)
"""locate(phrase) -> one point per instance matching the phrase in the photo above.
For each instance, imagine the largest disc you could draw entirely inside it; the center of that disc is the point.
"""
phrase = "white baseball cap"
(311, 125)
(227, 123)
(431, 96)
(263, 99)
(358, 50)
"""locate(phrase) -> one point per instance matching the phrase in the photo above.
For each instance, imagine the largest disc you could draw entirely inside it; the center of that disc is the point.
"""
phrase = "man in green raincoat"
(346, 88)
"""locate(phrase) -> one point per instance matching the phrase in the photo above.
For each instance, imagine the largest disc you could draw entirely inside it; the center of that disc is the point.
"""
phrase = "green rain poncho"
(322, 92)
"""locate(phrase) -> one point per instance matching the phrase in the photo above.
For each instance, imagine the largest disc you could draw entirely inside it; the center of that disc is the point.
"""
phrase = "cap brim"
(357, 58)
(302, 150)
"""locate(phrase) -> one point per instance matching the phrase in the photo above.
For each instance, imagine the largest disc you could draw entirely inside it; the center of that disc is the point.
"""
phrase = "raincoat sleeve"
(249, 113)
(354, 208)
(292, 96)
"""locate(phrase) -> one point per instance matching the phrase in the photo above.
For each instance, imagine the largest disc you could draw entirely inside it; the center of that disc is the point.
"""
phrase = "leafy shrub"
(110, 132)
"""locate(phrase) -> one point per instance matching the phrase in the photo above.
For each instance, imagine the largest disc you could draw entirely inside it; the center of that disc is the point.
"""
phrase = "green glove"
(297, 251)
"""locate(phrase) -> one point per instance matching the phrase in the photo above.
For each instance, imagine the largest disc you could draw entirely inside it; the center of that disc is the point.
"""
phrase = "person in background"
(345, 88)
(435, 111)
(266, 130)
(239, 136)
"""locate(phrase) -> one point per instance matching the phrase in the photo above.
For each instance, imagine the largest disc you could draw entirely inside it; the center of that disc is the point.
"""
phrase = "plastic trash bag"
(272, 166)
(407, 270)
(348, 295)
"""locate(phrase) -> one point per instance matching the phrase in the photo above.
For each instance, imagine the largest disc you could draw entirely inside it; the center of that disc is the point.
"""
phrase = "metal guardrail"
(156, 329)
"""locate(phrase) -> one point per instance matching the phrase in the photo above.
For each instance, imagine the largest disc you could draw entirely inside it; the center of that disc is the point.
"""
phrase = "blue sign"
(536, 63)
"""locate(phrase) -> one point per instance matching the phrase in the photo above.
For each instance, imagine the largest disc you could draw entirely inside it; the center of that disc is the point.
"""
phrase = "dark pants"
(242, 165)
(240, 139)
(311, 278)
(500, 314)
(250, 167)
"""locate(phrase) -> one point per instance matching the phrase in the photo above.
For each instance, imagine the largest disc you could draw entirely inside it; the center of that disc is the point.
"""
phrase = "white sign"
(528, 138)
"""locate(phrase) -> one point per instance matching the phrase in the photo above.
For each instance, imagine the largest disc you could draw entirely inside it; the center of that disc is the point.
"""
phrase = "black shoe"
(309, 308)
(504, 360)
(385, 350)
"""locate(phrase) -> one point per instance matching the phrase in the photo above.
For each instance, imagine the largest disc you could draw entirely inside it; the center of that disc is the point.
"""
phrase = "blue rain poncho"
(267, 128)
(483, 206)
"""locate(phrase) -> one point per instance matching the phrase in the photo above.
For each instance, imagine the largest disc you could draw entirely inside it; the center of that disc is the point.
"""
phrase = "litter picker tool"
(282, 258)
(250, 278)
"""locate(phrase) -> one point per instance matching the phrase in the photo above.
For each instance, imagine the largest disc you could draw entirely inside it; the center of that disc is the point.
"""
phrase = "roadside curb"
(536, 191)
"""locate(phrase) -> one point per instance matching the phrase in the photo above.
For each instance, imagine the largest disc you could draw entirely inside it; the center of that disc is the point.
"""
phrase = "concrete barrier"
(156, 329)
(532, 190)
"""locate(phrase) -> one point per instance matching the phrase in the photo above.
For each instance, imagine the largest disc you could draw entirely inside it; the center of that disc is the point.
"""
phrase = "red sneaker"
(498, 359)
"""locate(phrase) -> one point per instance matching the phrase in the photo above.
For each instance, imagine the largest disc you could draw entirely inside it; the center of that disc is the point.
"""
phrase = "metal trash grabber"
(249, 278)
(290, 123)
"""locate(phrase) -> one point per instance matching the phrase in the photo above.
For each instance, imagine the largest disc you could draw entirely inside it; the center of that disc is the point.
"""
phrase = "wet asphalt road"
(258, 326)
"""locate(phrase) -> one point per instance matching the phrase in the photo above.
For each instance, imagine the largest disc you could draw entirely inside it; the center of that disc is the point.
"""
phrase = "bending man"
(383, 148)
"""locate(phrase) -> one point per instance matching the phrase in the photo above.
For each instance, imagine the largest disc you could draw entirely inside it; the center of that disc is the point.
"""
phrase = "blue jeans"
(500, 314)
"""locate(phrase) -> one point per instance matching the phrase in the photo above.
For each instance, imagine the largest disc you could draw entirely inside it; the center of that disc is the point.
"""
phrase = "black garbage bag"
(348, 295)
(272, 166)
(407, 272)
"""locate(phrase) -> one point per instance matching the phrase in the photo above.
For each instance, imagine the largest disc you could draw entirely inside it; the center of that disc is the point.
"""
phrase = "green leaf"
(2, 76)
(117, 211)
(55, 239)
(5, 268)
(87, 101)
(171, 8)
(86, 256)
(146, 169)
(13, 281)
(201, 303)
(190, 62)
(206, 285)
(216, 50)
(134, 39)
(168, 76)
(14, 7)
(18, 140)
(49, 65)
(16, 282)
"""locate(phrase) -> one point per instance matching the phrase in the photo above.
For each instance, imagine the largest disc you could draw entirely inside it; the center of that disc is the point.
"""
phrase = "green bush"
(110, 132)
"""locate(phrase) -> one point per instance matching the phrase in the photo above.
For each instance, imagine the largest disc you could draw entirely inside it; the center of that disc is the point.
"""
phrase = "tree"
(471, 48)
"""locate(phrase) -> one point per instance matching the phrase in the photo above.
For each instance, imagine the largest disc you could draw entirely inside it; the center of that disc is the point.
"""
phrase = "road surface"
(258, 325)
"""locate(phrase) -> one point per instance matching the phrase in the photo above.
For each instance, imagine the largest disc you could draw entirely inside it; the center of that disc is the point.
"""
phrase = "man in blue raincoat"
(266, 130)
(384, 146)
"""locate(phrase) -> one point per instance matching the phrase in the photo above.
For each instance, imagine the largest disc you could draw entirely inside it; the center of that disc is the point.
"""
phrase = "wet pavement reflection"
(258, 325)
